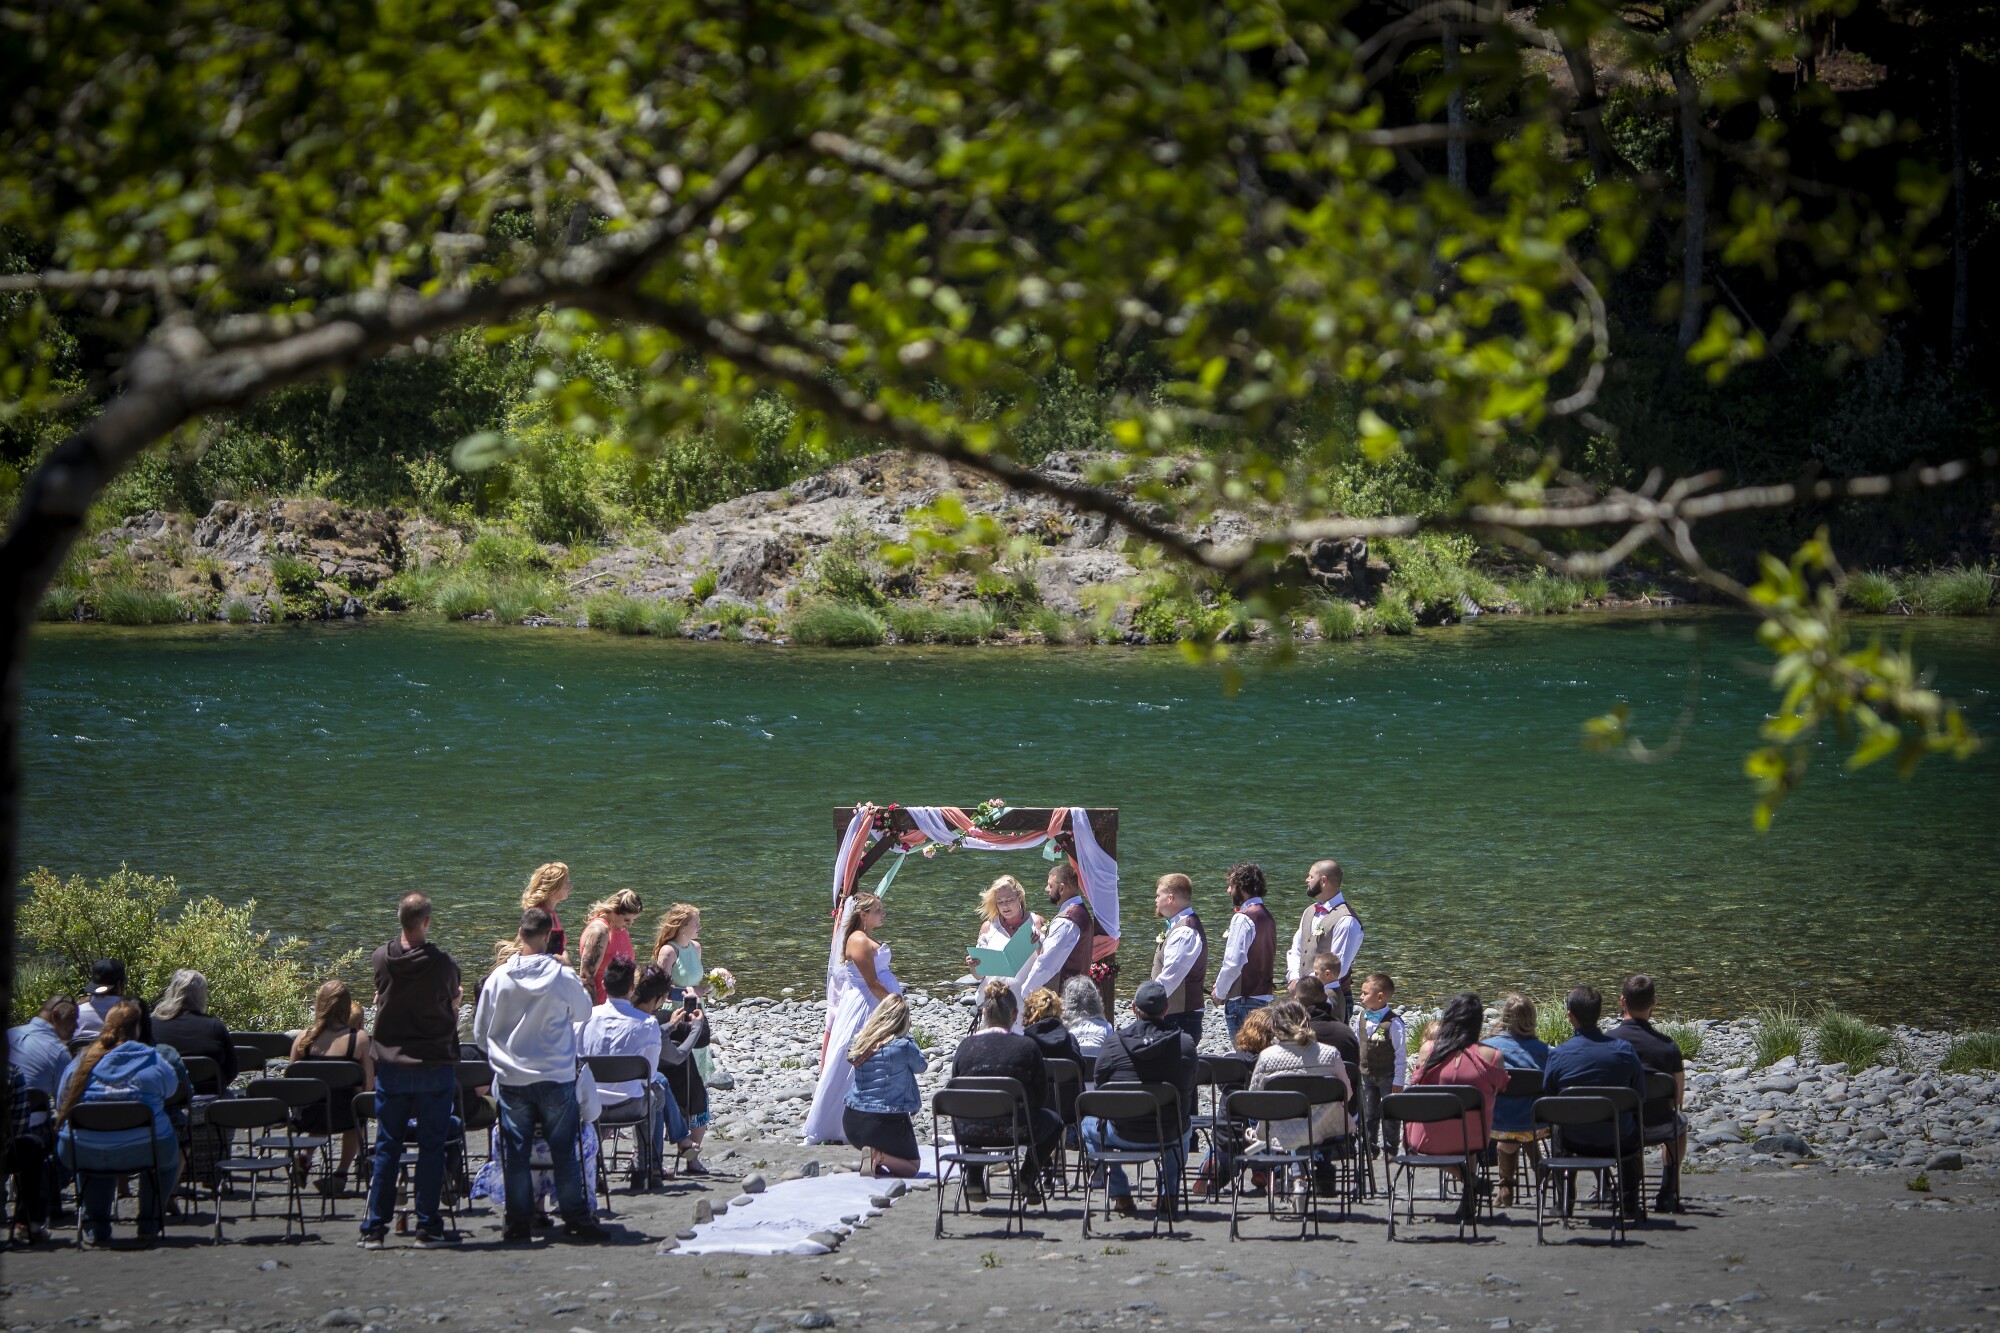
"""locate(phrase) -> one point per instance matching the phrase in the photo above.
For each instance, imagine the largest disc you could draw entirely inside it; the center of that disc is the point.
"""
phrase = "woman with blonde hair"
(336, 1033)
(862, 982)
(884, 1096)
(118, 1067)
(1514, 1117)
(607, 936)
(677, 950)
(548, 886)
(1003, 910)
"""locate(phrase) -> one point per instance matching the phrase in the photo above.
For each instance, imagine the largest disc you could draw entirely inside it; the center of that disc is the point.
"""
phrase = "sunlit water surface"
(325, 770)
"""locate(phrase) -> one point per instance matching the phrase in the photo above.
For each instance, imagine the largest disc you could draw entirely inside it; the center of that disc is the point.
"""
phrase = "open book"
(1007, 961)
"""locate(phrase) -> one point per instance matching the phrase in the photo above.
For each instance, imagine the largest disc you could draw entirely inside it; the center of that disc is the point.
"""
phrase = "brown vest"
(1319, 926)
(1255, 978)
(1078, 962)
(1193, 992)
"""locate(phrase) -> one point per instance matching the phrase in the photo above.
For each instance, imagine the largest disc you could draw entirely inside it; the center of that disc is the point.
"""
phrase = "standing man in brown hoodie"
(417, 991)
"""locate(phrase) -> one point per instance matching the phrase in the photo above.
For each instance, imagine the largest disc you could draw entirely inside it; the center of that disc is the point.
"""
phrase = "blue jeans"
(1099, 1135)
(407, 1094)
(552, 1108)
(1236, 1010)
(1188, 1021)
(95, 1191)
(664, 1123)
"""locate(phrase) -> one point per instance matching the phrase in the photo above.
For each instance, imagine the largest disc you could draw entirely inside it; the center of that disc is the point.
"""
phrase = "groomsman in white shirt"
(1328, 925)
(1180, 959)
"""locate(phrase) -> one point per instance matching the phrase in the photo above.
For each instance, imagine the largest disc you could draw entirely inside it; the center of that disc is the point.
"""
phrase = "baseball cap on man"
(1151, 999)
(107, 977)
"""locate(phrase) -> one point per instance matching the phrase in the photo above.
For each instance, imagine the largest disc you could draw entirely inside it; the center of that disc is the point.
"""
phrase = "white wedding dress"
(851, 1008)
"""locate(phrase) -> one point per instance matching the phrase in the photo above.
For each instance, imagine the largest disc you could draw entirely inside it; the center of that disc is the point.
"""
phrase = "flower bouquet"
(721, 983)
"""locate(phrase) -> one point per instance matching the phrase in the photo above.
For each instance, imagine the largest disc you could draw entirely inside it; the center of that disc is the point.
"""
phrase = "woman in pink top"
(1453, 1055)
(607, 936)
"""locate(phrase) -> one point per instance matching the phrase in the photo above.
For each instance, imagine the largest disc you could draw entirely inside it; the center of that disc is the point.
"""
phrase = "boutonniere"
(1160, 938)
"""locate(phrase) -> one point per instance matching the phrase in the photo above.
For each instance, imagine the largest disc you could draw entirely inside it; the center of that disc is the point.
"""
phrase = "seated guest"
(884, 1096)
(1296, 1049)
(26, 1159)
(684, 1031)
(181, 1020)
(1592, 1059)
(1147, 1050)
(618, 1026)
(1083, 1015)
(1453, 1056)
(118, 1067)
(1514, 1117)
(1042, 1023)
(1326, 1025)
(1252, 1040)
(107, 991)
(995, 1050)
(39, 1048)
(1662, 1120)
(335, 1033)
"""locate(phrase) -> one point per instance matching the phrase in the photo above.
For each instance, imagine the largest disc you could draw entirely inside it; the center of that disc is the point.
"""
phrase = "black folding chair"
(298, 1094)
(78, 1045)
(1340, 1155)
(204, 1075)
(967, 1103)
(113, 1118)
(255, 1114)
(476, 1111)
(456, 1182)
(250, 1062)
(1128, 1102)
(1522, 1085)
(618, 1116)
(1560, 1168)
(1220, 1077)
(268, 1045)
(1065, 1085)
(1270, 1108)
(341, 1079)
(1660, 1123)
(1427, 1106)
(1628, 1103)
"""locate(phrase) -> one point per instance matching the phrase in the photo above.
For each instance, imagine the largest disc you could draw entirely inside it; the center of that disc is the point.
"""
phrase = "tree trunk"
(1687, 93)
(1589, 114)
(1454, 112)
(1961, 249)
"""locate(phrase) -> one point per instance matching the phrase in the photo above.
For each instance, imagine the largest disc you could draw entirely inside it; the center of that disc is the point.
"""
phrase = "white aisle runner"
(783, 1218)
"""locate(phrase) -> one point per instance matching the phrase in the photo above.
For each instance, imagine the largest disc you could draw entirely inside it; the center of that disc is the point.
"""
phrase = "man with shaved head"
(1328, 925)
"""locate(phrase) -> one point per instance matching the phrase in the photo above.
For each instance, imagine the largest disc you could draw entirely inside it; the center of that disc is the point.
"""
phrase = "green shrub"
(239, 611)
(1393, 612)
(498, 551)
(1170, 610)
(844, 570)
(830, 624)
(735, 615)
(510, 597)
(1975, 1052)
(1435, 575)
(461, 595)
(1339, 620)
(1055, 627)
(1952, 592)
(130, 604)
(1839, 1037)
(411, 586)
(663, 619)
(60, 604)
(1780, 1032)
(254, 984)
(1543, 593)
(704, 586)
(514, 599)
(616, 613)
(293, 575)
(1684, 1035)
(1872, 592)
(1552, 1020)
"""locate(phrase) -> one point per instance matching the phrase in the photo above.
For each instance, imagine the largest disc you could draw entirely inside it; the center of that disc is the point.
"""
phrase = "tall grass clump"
(510, 597)
(130, 604)
(498, 551)
(1684, 1035)
(1843, 1038)
(294, 575)
(1393, 612)
(913, 622)
(60, 604)
(1872, 592)
(1964, 591)
(1339, 620)
(663, 619)
(1545, 594)
(1552, 1020)
(239, 611)
(616, 613)
(254, 983)
(825, 623)
(1055, 627)
(1974, 1053)
(1780, 1032)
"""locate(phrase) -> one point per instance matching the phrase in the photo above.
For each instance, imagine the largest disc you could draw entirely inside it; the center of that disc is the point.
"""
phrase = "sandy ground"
(1806, 1247)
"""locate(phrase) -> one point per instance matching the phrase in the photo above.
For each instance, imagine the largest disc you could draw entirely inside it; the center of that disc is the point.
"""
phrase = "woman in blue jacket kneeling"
(884, 1096)
(118, 1067)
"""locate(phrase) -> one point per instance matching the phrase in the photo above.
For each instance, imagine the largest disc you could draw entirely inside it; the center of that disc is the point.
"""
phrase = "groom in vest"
(1180, 959)
(1249, 951)
(1328, 925)
(1068, 943)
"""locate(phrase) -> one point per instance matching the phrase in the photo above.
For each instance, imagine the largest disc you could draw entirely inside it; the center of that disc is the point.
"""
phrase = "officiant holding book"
(1003, 913)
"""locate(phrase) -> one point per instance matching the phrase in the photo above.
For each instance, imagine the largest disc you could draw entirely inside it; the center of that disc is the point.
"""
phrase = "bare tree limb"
(863, 158)
(183, 278)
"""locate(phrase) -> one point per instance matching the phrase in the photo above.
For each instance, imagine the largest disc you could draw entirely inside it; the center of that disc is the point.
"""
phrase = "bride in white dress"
(861, 982)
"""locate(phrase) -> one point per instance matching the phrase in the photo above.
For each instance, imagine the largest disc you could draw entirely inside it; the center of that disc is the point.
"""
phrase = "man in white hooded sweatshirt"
(526, 1024)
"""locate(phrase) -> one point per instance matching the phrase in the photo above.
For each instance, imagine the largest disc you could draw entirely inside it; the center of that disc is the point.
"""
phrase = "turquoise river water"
(325, 770)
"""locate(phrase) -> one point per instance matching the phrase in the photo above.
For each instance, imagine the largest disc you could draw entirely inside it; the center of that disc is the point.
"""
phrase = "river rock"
(1946, 1161)
(704, 1211)
(1784, 1145)
(754, 1183)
